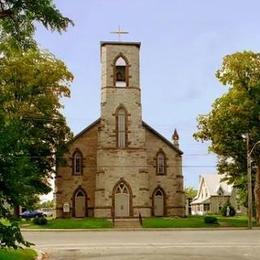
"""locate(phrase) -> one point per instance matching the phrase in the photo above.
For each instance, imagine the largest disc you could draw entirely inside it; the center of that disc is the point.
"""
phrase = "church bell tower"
(121, 94)
(121, 155)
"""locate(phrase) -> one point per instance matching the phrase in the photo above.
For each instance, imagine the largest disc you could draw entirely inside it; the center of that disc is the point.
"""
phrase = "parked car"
(48, 212)
(32, 214)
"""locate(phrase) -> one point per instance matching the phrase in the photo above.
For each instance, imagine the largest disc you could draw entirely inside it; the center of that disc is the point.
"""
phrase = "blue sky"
(183, 43)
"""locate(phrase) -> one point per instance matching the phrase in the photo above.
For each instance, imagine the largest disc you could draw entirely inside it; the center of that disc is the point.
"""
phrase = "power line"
(162, 126)
(43, 156)
(145, 166)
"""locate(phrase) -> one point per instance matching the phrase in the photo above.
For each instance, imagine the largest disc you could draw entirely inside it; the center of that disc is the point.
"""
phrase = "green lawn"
(194, 222)
(70, 223)
(19, 254)
(236, 221)
(153, 222)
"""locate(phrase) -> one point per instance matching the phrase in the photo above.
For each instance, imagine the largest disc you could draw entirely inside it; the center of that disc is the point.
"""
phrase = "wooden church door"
(80, 204)
(122, 205)
(158, 203)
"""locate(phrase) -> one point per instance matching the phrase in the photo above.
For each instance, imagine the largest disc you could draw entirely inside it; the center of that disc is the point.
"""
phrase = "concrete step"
(127, 223)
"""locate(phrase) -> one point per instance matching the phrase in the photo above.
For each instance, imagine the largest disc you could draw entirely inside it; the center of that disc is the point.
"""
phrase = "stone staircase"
(127, 223)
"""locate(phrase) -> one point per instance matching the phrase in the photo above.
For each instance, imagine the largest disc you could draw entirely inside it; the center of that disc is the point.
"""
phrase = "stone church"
(119, 166)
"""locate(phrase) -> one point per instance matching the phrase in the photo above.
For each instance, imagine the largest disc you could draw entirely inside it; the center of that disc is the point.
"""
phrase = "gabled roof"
(214, 184)
(86, 129)
(144, 125)
(165, 140)
(200, 201)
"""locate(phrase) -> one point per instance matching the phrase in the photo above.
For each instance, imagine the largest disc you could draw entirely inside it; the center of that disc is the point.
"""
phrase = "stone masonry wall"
(105, 165)
(172, 182)
(66, 183)
(114, 164)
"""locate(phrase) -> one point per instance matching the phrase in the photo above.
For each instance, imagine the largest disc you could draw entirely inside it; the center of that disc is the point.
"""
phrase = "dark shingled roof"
(171, 145)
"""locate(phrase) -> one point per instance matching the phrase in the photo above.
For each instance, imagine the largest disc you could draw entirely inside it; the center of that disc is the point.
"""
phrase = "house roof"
(213, 184)
(149, 128)
(200, 201)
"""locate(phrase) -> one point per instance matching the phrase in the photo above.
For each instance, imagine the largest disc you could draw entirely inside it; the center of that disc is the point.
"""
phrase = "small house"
(212, 194)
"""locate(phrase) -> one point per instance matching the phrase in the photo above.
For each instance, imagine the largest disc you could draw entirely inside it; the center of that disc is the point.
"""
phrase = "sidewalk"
(137, 229)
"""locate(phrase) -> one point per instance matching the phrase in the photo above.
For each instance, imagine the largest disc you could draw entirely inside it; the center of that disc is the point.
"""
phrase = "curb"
(40, 254)
(138, 229)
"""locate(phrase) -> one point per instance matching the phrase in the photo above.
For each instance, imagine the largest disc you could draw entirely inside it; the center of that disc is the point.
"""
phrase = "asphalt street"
(154, 245)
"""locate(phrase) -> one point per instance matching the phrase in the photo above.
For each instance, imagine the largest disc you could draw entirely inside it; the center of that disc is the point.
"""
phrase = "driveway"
(154, 245)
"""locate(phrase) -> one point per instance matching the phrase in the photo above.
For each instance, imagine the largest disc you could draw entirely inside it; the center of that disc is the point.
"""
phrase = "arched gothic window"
(77, 163)
(158, 193)
(160, 161)
(122, 188)
(120, 71)
(121, 121)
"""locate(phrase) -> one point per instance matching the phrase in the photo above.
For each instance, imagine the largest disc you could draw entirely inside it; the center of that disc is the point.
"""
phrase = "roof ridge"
(86, 129)
(162, 138)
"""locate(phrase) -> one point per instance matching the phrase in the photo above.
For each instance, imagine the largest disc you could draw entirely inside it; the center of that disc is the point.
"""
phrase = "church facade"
(119, 166)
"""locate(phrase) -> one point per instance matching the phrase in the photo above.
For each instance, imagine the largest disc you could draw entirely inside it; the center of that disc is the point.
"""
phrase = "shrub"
(11, 236)
(40, 221)
(232, 211)
(210, 220)
(15, 218)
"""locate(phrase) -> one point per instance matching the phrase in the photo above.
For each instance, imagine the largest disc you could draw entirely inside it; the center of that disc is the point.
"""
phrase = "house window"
(160, 164)
(220, 191)
(121, 128)
(77, 163)
(120, 72)
(206, 207)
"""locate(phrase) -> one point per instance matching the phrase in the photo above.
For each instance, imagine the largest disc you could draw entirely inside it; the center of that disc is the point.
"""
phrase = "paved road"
(152, 245)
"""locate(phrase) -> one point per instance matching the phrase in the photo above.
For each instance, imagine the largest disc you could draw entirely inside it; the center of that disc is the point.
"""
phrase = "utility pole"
(249, 179)
(249, 183)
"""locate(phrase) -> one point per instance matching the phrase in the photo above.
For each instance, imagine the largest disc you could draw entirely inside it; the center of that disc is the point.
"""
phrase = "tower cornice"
(137, 44)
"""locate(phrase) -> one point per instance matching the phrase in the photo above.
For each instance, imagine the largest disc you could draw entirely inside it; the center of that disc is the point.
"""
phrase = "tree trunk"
(5, 13)
(257, 193)
(16, 211)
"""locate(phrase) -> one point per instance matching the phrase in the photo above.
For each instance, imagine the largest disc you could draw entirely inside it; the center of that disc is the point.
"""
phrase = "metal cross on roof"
(119, 32)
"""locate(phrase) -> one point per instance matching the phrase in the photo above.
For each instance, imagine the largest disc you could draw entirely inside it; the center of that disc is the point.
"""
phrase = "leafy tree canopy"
(233, 115)
(190, 192)
(18, 17)
(45, 204)
(33, 131)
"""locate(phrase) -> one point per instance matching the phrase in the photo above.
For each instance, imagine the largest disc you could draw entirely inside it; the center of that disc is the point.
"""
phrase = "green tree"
(190, 192)
(47, 204)
(33, 131)
(18, 17)
(233, 115)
